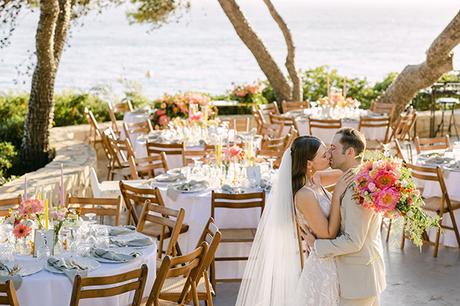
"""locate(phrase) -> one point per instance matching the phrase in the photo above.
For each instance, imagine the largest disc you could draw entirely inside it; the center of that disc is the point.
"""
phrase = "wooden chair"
(137, 128)
(10, 203)
(102, 207)
(439, 205)
(274, 148)
(429, 144)
(375, 123)
(94, 130)
(239, 124)
(117, 153)
(235, 235)
(206, 153)
(107, 286)
(404, 126)
(123, 106)
(135, 198)
(212, 236)
(399, 152)
(266, 129)
(287, 106)
(285, 122)
(382, 108)
(147, 167)
(302, 234)
(155, 148)
(8, 294)
(267, 109)
(113, 118)
(329, 124)
(174, 268)
(168, 220)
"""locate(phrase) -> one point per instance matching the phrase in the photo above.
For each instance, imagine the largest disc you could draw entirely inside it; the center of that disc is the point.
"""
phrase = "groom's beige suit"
(358, 252)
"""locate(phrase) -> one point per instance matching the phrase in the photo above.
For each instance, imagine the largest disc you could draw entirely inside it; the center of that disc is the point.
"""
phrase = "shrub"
(8, 154)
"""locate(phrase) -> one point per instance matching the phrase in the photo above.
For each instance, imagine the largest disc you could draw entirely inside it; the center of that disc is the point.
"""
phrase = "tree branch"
(290, 58)
(62, 28)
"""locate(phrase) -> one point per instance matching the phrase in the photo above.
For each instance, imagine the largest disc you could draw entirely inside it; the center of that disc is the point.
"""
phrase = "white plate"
(129, 237)
(191, 191)
(27, 267)
(90, 263)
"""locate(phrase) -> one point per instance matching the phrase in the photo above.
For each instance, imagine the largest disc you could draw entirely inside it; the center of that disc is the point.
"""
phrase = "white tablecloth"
(197, 212)
(46, 288)
(432, 189)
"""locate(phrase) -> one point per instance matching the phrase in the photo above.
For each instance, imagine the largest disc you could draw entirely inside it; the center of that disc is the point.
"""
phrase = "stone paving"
(413, 279)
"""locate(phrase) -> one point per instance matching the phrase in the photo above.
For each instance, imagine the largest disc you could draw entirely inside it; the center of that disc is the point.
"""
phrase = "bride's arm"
(308, 205)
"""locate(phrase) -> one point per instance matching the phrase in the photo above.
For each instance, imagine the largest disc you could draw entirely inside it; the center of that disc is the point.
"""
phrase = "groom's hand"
(310, 240)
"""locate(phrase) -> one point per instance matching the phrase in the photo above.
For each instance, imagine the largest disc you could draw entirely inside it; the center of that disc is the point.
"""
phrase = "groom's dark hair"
(352, 138)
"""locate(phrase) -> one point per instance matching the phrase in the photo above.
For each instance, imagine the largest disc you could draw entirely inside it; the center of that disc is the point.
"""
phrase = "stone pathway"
(413, 279)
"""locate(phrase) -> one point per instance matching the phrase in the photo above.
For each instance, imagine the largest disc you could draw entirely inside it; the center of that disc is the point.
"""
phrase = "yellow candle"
(46, 214)
(218, 152)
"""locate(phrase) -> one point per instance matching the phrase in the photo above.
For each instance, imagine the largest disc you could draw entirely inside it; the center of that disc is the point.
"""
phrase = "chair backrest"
(287, 106)
(135, 197)
(136, 128)
(240, 124)
(302, 234)
(113, 118)
(267, 109)
(375, 122)
(382, 108)
(237, 201)
(102, 207)
(315, 123)
(117, 148)
(404, 125)
(8, 294)
(428, 144)
(107, 286)
(283, 121)
(94, 129)
(186, 266)
(10, 203)
(170, 220)
(169, 148)
(264, 128)
(123, 107)
(147, 167)
(399, 152)
(204, 154)
(212, 236)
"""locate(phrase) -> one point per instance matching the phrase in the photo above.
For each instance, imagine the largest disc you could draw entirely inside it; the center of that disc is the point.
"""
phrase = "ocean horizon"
(202, 52)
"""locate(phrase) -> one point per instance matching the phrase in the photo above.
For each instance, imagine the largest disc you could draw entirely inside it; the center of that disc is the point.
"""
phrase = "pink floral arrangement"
(177, 106)
(21, 230)
(31, 208)
(196, 117)
(338, 100)
(236, 151)
(248, 93)
(384, 185)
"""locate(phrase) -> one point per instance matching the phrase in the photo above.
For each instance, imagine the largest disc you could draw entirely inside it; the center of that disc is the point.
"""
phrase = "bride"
(273, 274)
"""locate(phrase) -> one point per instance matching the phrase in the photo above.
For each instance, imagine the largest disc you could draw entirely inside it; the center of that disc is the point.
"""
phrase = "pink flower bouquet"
(384, 185)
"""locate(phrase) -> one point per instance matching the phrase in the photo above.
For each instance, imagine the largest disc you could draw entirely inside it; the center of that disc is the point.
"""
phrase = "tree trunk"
(416, 77)
(50, 39)
(266, 62)
(297, 90)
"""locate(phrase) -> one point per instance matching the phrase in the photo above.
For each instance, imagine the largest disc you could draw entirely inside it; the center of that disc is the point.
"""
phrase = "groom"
(358, 248)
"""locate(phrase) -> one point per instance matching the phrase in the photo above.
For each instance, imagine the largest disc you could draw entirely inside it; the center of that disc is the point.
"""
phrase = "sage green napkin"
(113, 255)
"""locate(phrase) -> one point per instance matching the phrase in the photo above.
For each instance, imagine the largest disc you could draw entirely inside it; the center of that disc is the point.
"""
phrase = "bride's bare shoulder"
(305, 196)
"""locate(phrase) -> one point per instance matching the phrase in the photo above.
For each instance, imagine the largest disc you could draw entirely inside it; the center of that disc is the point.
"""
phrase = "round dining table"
(52, 289)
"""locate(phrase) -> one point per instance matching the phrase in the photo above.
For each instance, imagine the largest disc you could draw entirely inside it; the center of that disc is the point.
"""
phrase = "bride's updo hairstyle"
(303, 149)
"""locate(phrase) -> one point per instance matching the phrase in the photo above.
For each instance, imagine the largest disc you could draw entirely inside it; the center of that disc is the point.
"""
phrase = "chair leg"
(436, 243)
(212, 272)
(454, 225)
(208, 300)
(403, 238)
(390, 222)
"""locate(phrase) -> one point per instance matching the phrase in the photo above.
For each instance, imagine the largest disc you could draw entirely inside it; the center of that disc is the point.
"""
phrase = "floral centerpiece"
(61, 216)
(24, 217)
(338, 100)
(384, 185)
(178, 106)
(248, 93)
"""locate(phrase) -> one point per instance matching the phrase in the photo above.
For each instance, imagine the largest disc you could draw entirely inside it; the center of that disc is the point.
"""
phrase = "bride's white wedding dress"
(318, 284)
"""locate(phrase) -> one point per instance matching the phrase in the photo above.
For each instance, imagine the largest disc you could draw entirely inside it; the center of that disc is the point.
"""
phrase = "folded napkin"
(69, 266)
(113, 255)
(121, 230)
(232, 190)
(169, 177)
(193, 185)
(137, 242)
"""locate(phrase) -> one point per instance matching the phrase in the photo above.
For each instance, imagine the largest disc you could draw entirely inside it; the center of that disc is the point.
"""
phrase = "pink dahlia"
(386, 200)
(21, 231)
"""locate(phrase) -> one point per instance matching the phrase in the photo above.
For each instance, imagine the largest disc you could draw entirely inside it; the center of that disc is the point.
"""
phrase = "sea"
(199, 50)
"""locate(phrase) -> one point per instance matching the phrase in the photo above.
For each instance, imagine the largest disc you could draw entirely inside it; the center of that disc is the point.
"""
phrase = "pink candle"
(24, 196)
(62, 185)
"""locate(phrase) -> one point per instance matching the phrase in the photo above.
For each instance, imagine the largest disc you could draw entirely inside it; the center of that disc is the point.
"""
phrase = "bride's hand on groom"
(342, 185)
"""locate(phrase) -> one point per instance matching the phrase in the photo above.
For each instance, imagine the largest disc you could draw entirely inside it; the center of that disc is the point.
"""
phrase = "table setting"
(42, 254)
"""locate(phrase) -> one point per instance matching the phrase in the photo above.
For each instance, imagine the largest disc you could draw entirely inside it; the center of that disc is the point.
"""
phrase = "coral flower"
(385, 179)
(196, 117)
(387, 199)
(163, 120)
(21, 231)
(235, 151)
